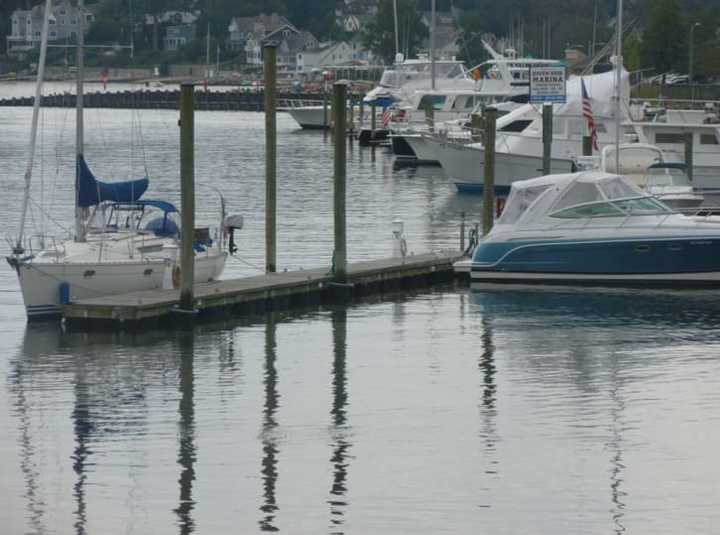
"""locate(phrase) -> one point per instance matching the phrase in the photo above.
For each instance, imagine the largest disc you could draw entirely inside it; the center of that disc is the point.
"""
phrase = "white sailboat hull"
(41, 282)
(309, 117)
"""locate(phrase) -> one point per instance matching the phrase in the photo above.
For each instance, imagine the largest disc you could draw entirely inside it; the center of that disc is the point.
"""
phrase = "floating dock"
(237, 297)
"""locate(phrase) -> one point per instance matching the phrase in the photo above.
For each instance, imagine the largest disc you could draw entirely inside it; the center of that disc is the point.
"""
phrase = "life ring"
(176, 277)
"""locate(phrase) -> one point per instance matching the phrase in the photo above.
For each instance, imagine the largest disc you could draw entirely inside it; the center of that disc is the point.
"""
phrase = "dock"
(252, 295)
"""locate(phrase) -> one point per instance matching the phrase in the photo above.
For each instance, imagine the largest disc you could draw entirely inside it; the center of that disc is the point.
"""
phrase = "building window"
(708, 139)
(73, 21)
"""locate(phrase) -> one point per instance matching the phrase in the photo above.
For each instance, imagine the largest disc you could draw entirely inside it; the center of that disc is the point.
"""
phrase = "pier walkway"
(146, 309)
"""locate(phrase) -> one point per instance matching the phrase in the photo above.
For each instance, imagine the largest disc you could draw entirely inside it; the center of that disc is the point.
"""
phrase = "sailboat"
(122, 242)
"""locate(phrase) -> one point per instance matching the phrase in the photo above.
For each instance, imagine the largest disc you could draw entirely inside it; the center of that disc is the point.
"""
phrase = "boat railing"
(293, 103)
(45, 244)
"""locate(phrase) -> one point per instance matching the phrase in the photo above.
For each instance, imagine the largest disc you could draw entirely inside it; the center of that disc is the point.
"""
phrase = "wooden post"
(187, 195)
(325, 109)
(489, 171)
(689, 154)
(462, 231)
(547, 135)
(476, 126)
(270, 72)
(587, 146)
(339, 189)
(361, 119)
(373, 118)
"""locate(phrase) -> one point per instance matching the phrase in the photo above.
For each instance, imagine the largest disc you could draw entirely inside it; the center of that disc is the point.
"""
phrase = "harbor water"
(454, 410)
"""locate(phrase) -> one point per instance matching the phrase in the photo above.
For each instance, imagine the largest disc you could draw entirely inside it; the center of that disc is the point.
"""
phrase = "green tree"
(665, 38)
(379, 35)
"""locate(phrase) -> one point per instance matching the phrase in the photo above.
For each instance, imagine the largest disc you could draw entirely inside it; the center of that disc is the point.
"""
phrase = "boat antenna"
(432, 46)
(618, 84)
(80, 212)
(33, 130)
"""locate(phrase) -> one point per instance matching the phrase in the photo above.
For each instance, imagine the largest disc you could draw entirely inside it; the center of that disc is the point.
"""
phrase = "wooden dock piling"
(689, 154)
(547, 136)
(340, 256)
(270, 71)
(489, 170)
(187, 193)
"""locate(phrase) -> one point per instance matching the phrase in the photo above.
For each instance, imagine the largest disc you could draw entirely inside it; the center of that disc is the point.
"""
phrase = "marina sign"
(547, 84)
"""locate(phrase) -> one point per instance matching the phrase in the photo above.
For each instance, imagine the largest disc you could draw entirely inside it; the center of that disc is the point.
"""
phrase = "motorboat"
(594, 227)
(519, 141)
(646, 166)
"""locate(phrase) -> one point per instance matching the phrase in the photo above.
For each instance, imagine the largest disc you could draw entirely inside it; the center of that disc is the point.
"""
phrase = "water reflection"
(617, 466)
(83, 426)
(269, 468)
(186, 430)
(341, 446)
(487, 367)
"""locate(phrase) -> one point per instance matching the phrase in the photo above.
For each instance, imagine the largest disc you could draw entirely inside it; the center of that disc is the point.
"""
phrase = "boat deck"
(263, 292)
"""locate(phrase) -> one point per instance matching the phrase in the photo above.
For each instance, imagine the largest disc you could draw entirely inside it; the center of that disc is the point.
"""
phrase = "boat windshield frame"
(614, 208)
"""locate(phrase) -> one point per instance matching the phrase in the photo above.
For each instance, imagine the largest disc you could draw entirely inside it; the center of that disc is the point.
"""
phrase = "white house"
(331, 55)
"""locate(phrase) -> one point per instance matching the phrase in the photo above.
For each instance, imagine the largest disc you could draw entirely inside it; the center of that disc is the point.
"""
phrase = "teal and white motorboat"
(595, 227)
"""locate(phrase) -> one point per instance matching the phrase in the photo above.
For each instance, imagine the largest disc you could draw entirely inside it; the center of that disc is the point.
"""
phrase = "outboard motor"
(230, 224)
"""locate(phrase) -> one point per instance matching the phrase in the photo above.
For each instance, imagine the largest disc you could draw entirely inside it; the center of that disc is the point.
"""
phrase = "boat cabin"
(588, 195)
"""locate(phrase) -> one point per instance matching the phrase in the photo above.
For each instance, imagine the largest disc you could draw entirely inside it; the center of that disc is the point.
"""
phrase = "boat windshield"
(666, 176)
(634, 206)
(519, 201)
(442, 70)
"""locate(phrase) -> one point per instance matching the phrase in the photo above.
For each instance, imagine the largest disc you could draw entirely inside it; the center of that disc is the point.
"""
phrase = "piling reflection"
(617, 466)
(488, 411)
(186, 430)
(269, 469)
(341, 446)
(83, 426)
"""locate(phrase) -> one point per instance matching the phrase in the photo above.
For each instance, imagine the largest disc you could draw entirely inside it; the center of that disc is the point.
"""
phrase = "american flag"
(386, 116)
(588, 114)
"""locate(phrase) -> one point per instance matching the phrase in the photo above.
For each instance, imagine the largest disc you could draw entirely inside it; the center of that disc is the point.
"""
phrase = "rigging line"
(33, 202)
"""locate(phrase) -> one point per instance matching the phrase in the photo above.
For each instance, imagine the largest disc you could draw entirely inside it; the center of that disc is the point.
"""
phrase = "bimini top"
(590, 194)
(90, 191)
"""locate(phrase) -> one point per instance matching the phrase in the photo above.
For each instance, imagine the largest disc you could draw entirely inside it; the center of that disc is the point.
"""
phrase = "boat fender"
(64, 291)
(176, 275)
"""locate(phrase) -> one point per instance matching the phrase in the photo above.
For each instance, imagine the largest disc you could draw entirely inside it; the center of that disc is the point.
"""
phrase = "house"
(331, 55)
(178, 36)
(172, 17)
(248, 35)
(64, 24)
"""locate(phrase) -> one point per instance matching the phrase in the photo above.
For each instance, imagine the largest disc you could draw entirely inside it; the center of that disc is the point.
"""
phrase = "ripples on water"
(510, 410)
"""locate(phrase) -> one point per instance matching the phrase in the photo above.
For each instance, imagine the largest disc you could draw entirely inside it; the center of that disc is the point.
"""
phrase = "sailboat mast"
(397, 35)
(432, 46)
(618, 84)
(79, 121)
(207, 58)
(34, 127)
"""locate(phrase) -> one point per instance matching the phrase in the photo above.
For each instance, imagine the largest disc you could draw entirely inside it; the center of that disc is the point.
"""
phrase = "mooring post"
(361, 119)
(340, 256)
(462, 231)
(489, 171)
(373, 118)
(547, 135)
(270, 68)
(476, 127)
(325, 109)
(187, 195)
(689, 154)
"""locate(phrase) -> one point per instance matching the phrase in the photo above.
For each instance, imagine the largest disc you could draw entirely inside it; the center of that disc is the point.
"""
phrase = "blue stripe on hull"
(601, 257)
(478, 188)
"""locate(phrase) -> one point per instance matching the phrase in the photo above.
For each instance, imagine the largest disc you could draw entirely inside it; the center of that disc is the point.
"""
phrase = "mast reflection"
(341, 447)
(617, 466)
(186, 427)
(270, 450)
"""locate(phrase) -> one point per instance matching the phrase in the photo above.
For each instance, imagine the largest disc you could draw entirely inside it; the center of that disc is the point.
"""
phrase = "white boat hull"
(309, 117)
(463, 163)
(40, 282)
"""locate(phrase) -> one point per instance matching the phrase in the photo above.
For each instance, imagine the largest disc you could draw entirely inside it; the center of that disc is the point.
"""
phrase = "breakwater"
(158, 99)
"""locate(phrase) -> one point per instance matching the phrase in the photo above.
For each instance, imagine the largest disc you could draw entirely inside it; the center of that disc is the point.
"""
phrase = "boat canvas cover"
(531, 201)
(91, 191)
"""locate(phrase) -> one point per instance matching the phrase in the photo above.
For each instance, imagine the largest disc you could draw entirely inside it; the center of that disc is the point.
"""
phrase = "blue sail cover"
(90, 191)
